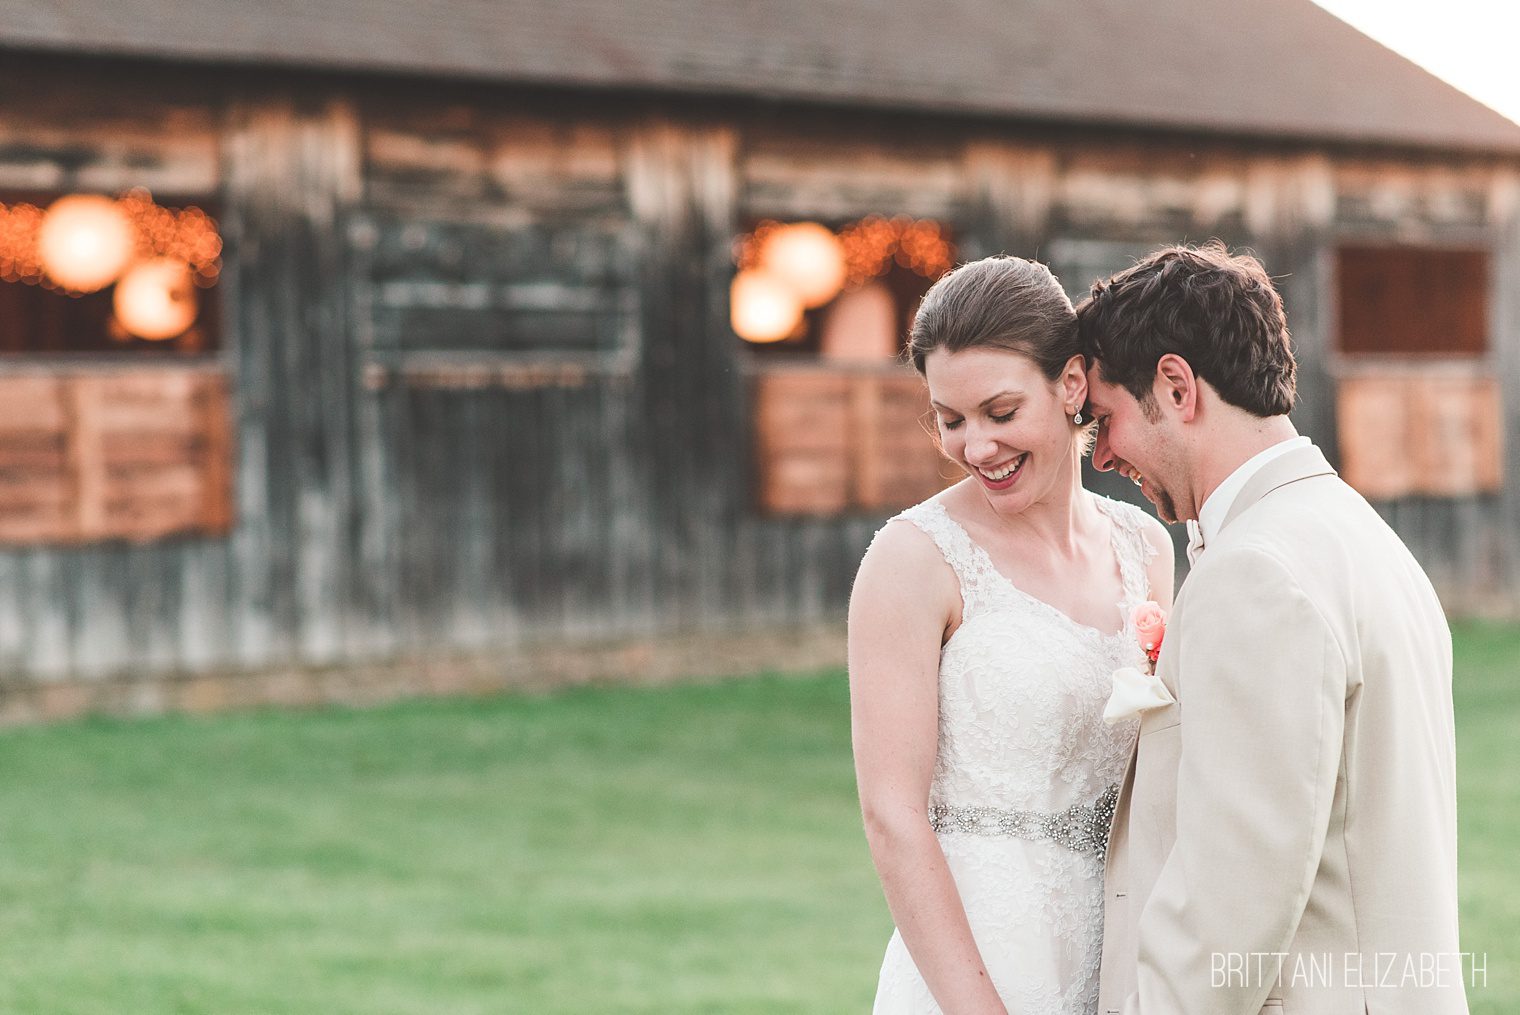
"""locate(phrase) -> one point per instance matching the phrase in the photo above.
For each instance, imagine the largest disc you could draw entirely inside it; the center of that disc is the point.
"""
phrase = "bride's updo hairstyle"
(999, 302)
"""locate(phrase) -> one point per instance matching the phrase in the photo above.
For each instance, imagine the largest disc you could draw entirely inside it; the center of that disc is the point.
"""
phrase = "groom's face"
(1133, 441)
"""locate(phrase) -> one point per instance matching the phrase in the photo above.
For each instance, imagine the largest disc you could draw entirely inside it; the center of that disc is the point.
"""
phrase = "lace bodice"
(1022, 685)
(1022, 739)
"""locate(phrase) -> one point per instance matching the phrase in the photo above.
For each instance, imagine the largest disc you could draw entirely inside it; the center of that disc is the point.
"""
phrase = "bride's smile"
(1001, 477)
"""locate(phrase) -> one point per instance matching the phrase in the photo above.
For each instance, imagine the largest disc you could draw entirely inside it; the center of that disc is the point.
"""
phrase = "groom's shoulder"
(1313, 514)
(1325, 535)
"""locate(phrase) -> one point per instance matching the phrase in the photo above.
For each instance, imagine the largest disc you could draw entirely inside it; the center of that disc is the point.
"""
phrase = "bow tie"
(1195, 541)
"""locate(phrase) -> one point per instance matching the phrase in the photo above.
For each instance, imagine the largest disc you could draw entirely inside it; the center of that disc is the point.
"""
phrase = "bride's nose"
(981, 448)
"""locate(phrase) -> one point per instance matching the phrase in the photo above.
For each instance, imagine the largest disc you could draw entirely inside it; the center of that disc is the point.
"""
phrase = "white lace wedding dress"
(1026, 776)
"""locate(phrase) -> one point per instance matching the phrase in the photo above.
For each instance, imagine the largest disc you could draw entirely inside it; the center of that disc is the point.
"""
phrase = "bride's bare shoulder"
(902, 546)
(905, 594)
(904, 562)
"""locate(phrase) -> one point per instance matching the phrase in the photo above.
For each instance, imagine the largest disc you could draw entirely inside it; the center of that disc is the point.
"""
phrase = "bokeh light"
(156, 299)
(84, 242)
(763, 307)
(809, 258)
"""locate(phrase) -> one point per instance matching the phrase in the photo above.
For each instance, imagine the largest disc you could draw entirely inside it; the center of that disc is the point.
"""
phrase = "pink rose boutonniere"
(1135, 691)
(1149, 621)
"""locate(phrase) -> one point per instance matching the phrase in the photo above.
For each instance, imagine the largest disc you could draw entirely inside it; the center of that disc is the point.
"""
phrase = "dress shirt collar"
(1217, 506)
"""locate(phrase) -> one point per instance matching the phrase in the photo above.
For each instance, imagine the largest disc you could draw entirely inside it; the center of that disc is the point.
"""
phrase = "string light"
(762, 307)
(785, 268)
(875, 243)
(747, 247)
(85, 242)
(19, 261)
(181, 234)
(809, 258)
(872, 246)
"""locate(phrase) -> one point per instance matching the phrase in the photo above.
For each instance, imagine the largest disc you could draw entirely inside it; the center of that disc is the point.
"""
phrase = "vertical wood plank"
(293, 176)
(682, 193)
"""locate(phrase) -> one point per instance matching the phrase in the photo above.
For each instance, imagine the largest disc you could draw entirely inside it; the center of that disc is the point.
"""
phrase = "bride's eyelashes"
(954, 424)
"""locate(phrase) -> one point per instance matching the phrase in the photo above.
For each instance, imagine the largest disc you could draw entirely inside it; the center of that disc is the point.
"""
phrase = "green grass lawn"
(1487, 691)
(691, 849)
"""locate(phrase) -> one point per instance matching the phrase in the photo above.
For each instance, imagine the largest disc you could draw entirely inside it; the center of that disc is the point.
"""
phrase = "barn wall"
(105, 608)
(485, 391)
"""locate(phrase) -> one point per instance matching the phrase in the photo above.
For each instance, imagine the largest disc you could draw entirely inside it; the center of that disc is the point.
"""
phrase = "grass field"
(691, 849)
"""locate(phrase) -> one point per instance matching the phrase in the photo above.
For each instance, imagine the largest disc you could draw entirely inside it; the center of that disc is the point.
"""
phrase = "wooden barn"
(352, 351)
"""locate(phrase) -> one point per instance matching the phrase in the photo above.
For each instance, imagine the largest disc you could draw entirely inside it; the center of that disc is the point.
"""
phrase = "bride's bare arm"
(904, 599)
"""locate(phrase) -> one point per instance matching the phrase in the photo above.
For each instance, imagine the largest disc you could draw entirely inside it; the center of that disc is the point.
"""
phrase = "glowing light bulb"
(809, 258)
(156, 299)
(762, 307)
(85, 242)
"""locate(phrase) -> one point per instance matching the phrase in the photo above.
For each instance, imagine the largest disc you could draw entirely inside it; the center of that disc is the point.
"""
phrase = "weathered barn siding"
(486, 394)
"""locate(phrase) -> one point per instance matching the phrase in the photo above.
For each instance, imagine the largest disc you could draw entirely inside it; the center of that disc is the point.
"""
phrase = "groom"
(1285, 838)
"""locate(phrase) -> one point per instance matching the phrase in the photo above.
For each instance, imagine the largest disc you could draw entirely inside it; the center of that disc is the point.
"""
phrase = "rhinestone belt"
(1081, 827)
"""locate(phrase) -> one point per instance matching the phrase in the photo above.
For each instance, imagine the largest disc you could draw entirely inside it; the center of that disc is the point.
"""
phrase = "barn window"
(114, 416)
(477, 301)
(838, 418)
(1418, 407)
(1412, 301)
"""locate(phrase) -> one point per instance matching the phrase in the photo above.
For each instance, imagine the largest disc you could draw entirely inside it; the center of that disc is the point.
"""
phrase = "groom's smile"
(1114, 408)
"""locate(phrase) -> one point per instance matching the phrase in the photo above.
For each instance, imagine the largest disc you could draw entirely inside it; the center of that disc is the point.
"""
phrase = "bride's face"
(1004, 422)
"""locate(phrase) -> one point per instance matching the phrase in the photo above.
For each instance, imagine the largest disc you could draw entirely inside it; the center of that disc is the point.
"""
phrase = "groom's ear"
(1176, 387)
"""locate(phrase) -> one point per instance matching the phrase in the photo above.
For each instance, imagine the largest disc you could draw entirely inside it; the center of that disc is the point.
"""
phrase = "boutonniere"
(1149, 621)
(1137, 691)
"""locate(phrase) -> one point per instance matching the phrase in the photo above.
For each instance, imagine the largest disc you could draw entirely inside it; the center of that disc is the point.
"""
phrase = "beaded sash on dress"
(1081, 827)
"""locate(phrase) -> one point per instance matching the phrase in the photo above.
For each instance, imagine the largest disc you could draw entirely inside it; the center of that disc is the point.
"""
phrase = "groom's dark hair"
(1217, 310)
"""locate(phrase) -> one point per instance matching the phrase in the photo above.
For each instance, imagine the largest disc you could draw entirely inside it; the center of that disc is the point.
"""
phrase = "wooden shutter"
(802, 429)
(1433, 433)
(36, 474)
(1412, 301)
(828, 442)
(132, 454)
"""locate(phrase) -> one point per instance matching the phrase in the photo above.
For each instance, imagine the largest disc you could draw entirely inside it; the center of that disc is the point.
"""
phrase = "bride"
(984, 627)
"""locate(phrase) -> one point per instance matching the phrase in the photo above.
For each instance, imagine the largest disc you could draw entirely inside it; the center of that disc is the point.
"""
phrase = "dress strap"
(1132, 549)
(955, 545)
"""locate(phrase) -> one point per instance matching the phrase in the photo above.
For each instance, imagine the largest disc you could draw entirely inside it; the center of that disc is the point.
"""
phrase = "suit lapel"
(1301, 463)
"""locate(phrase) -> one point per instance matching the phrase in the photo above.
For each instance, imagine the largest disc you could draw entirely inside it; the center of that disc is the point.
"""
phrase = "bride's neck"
(1061, 517)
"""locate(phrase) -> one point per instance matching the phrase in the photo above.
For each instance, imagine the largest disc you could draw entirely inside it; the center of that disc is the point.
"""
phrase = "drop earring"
(1076, 418)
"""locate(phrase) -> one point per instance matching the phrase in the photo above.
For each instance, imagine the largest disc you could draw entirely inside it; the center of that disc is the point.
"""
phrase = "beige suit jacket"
(1285, 837)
